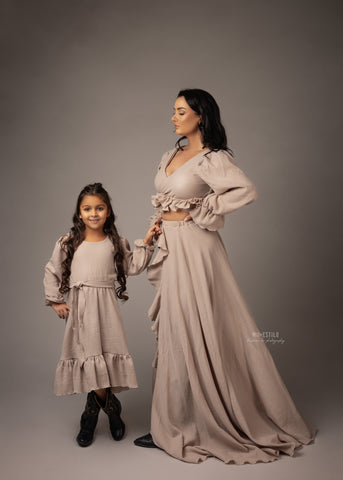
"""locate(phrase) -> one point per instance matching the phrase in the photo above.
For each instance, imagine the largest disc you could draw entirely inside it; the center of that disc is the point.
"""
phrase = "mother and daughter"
(216, 394)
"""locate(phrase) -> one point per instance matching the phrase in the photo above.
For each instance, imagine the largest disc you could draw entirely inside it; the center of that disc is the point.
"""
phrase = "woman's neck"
(195, 142)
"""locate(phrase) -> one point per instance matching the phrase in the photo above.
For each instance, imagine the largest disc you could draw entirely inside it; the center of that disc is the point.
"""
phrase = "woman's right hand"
(153, 233)
(158, 230)
(62, 309)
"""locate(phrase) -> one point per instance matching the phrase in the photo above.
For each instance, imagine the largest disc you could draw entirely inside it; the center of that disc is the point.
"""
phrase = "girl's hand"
(62, 309)
(153, 232)
(188, 218)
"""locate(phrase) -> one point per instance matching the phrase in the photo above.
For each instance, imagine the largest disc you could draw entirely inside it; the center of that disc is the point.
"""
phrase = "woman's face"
(185, 120)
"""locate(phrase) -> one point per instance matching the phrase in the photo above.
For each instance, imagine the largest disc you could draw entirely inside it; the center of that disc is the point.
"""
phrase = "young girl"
(85, 265)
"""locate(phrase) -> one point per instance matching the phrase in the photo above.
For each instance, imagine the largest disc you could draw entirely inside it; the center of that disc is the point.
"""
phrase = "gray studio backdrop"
(89, 88)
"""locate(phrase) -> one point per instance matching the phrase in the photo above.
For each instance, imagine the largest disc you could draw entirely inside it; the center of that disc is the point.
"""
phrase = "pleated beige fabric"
(95, 353)
(216, 393)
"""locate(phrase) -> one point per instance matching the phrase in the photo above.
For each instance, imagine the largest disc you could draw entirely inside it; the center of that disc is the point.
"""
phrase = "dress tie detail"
(79, 306)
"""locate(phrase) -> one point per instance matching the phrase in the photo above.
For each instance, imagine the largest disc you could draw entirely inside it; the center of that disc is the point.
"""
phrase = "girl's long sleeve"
(53, 275)
(230, 190)
(136, 260)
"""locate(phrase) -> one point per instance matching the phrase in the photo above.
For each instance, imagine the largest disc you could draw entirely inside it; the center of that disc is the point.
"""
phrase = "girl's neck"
(94, 236)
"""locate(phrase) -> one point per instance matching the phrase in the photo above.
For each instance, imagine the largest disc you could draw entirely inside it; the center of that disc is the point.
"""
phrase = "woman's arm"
(155, 217)
(231, 189)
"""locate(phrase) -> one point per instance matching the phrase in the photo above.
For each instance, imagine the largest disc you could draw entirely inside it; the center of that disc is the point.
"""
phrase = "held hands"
(62, 309)
(153, 232)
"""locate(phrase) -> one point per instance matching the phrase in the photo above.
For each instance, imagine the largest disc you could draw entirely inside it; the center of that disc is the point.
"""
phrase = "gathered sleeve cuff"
(136, 260)
(230, 190)
(53, 275)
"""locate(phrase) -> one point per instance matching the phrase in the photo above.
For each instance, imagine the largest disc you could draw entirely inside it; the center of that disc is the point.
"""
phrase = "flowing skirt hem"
(220, 392)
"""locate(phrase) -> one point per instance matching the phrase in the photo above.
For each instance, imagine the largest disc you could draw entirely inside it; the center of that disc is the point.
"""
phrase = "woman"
(216, 392)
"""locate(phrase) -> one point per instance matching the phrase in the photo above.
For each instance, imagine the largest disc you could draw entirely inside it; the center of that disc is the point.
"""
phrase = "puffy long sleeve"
(53, 275)
(136, 260)
(230, 190)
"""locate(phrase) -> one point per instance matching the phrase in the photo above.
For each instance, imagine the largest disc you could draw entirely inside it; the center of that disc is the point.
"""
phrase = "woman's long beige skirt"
(217, 391)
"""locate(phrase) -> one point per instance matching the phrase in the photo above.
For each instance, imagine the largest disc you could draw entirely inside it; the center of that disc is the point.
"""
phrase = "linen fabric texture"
(217, 392)
(95, 353)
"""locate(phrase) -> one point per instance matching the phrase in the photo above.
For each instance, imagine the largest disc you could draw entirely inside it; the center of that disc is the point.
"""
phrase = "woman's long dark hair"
(77, 233)
(211, 128)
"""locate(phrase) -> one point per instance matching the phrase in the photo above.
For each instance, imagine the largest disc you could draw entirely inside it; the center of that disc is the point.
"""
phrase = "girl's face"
(93, 212)
(186, 121)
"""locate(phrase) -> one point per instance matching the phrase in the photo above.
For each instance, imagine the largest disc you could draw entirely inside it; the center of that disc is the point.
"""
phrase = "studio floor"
(38, 442)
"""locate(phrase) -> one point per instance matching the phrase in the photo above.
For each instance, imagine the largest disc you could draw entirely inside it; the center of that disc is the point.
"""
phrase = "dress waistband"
(176, 223)
(92, 283)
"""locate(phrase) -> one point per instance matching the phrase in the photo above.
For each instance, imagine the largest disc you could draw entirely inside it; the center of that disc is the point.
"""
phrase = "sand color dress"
(217, 393)
(95, 353)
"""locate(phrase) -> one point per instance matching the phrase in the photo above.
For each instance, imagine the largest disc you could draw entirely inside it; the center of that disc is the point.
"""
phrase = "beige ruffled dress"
(95, 353)
(217, 391)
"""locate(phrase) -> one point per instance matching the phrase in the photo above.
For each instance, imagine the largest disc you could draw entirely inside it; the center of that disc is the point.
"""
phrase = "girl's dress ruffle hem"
(95, 372)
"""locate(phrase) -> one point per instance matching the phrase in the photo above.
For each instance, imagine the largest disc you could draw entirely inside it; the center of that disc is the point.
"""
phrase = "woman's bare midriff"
(179, 215)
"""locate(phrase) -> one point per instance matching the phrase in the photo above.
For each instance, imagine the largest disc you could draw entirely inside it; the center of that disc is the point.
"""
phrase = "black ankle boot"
(112, 408)
(145, 441)
(88, 422)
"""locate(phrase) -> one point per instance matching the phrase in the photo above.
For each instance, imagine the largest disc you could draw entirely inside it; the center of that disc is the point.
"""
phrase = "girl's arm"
(136, 260)
(53, 276)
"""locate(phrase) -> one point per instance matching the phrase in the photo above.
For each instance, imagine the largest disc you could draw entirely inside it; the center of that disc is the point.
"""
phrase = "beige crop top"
(208, 186)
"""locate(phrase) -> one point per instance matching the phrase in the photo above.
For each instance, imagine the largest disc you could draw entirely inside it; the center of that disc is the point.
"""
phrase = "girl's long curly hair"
(211, 128)
(76, 236)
